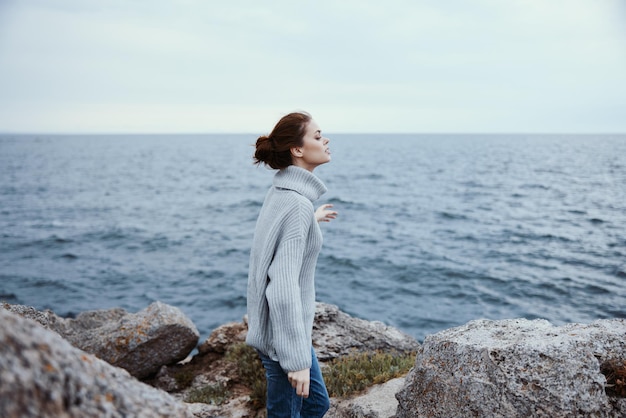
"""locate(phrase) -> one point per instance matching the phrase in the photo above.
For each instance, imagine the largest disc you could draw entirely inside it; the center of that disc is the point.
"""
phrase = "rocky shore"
(113, 363)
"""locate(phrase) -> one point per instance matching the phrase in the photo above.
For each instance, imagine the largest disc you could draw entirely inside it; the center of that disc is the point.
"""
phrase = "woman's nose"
(326, 140)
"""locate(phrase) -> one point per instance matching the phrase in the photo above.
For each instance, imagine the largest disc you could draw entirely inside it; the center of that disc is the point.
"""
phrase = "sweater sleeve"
(283, 293)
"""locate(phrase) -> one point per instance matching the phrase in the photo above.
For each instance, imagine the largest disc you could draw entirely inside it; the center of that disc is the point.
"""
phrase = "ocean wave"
(247, 203)
(9, 298)
(69, 256)
(340, 201)
(112, 234)
(451, 216)
(53, 241)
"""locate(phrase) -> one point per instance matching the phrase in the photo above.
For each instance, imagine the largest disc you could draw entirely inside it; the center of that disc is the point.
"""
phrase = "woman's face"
(314, 150)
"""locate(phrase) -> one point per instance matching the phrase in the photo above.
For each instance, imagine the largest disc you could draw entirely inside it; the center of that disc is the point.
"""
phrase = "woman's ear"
(296, 152)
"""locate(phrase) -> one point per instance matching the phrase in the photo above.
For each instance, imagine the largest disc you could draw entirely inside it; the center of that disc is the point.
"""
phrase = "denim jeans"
(282, 401)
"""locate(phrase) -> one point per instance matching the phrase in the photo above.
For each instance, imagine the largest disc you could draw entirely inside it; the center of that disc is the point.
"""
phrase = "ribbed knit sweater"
(281, 286)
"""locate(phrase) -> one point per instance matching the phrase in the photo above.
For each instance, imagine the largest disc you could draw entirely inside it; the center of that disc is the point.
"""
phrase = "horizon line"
(94, 133)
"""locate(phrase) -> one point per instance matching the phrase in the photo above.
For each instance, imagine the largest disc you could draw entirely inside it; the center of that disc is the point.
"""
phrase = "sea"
(433, 230)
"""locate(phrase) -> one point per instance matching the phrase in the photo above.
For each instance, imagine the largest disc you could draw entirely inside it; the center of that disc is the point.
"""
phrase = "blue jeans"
(282, 401)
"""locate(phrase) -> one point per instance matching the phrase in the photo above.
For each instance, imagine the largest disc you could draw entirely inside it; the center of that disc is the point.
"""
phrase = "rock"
(236, 407)
(223, 337)
(515, 368)
(336, 334)
(202, 410)
(376, 402)
(44, 318)
(73, 328)
(140, 343)
(42, 375)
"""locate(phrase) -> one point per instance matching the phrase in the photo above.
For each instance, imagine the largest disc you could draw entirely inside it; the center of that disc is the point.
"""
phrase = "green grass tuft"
(250, 371)
(211, 394)
(343, 376)
(183, 378)
(356, 372)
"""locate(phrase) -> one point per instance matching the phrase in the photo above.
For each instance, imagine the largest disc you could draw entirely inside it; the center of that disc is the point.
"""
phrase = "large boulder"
(139, 342)
(336, 334)
(377, 401)
(516, 368)
(42, 375)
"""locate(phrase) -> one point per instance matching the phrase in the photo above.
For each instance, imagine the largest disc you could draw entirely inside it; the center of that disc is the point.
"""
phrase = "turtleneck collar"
(300, 180)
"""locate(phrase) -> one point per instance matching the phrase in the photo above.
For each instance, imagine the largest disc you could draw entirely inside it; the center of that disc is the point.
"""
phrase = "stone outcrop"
(139, 342)
(43, 317)
(515, 368)
(42, 375)
(376, 402)
(336, 334)
(223, 337)
(511, 368)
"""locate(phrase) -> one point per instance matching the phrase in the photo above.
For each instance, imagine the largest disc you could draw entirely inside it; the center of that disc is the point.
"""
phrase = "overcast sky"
(356, 65)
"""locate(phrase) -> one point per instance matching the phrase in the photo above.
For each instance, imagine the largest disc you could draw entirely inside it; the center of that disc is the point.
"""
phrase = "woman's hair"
(274, 149)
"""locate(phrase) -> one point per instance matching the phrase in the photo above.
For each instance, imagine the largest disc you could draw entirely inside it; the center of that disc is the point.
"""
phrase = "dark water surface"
(434, 230)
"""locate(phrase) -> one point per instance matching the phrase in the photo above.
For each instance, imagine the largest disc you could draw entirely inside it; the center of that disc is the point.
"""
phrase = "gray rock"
(140, 343)
(515, 368)
(202, 410)
(43, 376)
(223, 337)
(335, 334)
(44, 318)
(376, 402)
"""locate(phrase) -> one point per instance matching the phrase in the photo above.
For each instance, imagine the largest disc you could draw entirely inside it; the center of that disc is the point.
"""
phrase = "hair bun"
(264, 150)
(274, 149)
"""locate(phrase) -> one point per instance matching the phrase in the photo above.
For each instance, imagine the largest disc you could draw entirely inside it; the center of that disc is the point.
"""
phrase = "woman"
(281, 289)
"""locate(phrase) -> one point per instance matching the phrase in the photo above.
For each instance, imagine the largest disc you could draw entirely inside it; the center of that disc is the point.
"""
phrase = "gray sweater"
(281, 285)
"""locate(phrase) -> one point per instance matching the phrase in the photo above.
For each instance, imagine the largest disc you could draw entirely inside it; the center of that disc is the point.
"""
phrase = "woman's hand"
(300, 381)
(324, 214)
